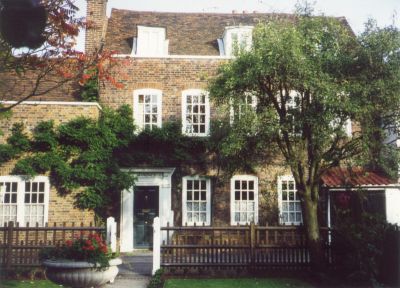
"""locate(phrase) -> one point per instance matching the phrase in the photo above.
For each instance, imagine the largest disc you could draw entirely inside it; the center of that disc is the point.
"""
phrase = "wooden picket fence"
(20, 246)
(251, 247)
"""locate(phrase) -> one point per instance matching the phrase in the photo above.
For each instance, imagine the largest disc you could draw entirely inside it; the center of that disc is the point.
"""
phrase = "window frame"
(21, 180)
(243, 35)
(142, 48)
(280, 201)
(253, 105)
(232, 193)
(184, 200)
(198, 92)
(136, 108)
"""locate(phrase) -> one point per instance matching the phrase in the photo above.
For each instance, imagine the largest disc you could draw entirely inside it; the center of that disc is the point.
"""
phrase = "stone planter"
(80, 274)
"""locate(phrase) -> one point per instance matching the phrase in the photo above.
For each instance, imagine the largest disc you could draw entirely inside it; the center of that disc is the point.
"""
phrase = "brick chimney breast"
(97, 24)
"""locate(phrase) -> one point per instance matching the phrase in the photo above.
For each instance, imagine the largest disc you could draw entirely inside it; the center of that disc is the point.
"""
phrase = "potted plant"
(83, 262)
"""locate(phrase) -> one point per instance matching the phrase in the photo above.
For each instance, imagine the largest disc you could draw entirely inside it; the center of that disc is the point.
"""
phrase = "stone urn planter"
(80, 274)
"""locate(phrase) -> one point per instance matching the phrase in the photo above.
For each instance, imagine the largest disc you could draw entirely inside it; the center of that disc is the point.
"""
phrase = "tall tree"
(299, 72)
(377, 90)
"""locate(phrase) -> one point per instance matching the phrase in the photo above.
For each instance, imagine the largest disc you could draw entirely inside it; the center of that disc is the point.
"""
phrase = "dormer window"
(150, 41)
(235, 39)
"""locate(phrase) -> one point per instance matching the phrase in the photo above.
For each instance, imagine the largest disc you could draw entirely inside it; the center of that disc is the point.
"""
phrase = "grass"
(237, 283)
(27, 284)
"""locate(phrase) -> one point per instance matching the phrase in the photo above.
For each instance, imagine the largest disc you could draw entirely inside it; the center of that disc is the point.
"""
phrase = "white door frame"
(160, 177)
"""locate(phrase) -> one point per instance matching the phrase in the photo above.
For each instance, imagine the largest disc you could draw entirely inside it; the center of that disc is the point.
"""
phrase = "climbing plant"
(86, 155)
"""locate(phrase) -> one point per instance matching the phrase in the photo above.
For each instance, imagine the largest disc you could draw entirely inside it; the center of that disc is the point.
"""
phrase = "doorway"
(146, 207)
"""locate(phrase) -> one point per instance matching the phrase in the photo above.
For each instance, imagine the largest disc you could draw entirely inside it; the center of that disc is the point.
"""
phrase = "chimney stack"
(97, 24)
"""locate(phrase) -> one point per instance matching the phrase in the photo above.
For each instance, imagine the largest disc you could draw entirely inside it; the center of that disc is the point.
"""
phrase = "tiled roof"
(354, 177)
(188, 33)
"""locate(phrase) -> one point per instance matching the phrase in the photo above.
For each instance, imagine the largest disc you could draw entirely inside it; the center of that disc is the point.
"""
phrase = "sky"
(357, 12)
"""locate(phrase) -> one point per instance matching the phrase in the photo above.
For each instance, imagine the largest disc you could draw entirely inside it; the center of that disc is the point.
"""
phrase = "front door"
(145, 209)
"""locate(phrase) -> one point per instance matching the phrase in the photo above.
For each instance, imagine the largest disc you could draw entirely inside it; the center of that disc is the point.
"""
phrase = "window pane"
(189, 206)
(14, 198)
(237, 205)
(291, 217)
(196, 184)
(196, 217)
(237, 184)
(250, 206)
(203, 217)
(141, 98)
(251, 185)
(237, 217)
(189, 184)
(28, 186)
(41, 187)
(147, 99)
(244, 195)
(196, 195)
(203, 206)
(203, 184)
(291, 196)
(14, 186)
(34, 187)
(284, 206)
(251, 195)
(244, 184)
(195, 206)
(189, 217)
(237, 195)
(202, 129)
(203, 195)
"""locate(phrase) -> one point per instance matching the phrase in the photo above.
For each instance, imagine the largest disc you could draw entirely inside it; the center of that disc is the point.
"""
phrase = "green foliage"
(79, 154)
(90, 89)
(377, 89)
(16, 144)
(359, 245)
(165, 146)
(157, 280)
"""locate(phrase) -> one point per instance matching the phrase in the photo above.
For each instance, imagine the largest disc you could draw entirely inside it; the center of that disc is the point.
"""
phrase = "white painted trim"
(64, 103)
(21, 179)
(208, 200)
(146, 91)
(392, 205)
(248, 178)
(151, 40)
(205, 57)
(156, 245)
(280, 179)
(161, 177)
(207, 108)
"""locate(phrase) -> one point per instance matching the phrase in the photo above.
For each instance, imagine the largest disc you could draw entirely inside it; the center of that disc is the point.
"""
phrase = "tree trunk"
(314, 242)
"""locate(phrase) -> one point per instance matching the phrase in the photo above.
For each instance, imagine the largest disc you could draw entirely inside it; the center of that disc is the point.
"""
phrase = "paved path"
(135, 271)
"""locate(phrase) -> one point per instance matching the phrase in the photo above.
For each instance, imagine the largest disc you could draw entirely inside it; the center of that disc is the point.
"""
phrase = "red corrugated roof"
(355, 176)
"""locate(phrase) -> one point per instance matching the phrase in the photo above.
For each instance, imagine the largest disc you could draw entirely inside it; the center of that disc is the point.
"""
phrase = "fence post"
(156, 244)
(252, 242)
(9, 245)
(111, 234)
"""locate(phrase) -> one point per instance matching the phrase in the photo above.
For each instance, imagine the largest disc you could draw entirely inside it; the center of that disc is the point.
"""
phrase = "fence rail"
(20, 246)
(250, 246)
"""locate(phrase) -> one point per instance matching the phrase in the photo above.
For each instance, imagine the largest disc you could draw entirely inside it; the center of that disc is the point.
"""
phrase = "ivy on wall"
(87, 155)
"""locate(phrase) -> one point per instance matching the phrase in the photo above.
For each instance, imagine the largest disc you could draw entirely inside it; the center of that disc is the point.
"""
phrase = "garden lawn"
(237, 283)
(27, 284)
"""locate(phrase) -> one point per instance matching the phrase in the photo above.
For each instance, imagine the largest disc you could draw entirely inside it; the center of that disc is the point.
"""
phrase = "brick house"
(169, 58)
